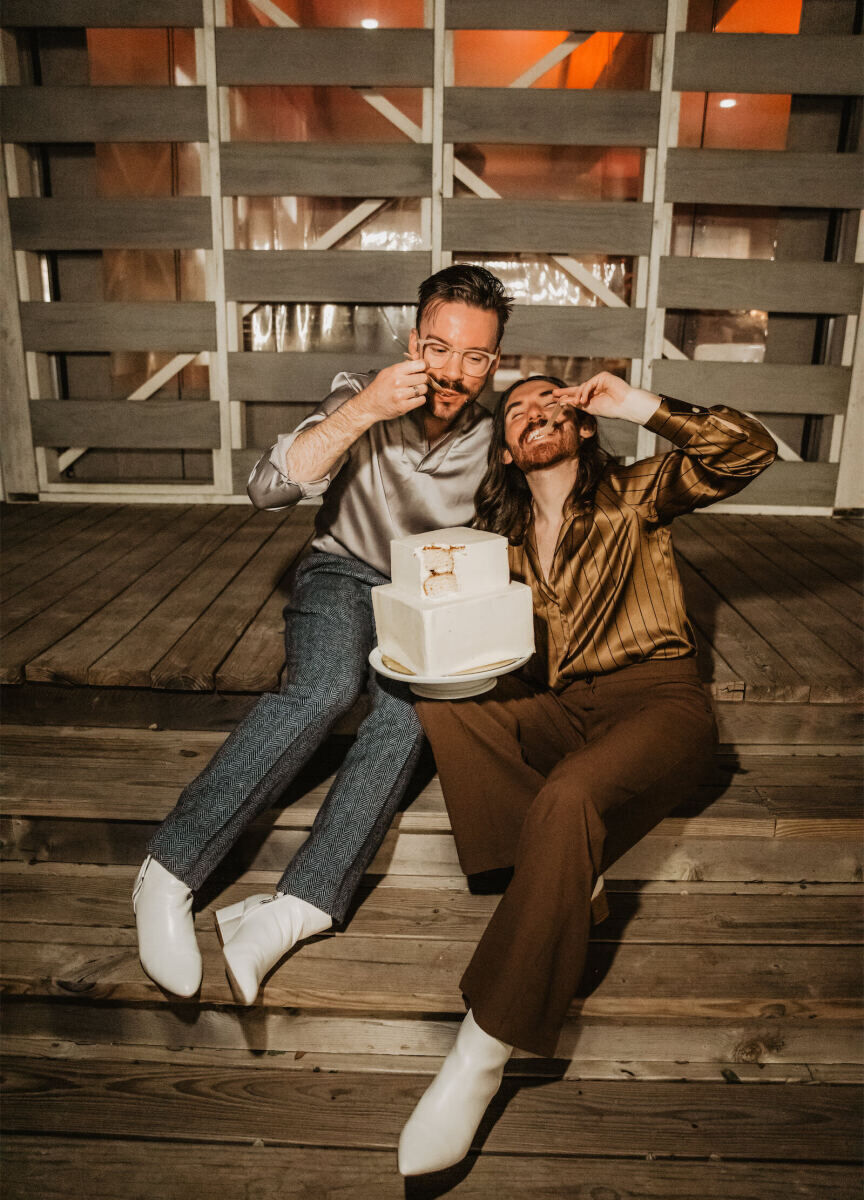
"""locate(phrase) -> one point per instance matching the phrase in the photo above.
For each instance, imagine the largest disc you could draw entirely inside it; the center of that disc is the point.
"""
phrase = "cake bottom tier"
(442, 637)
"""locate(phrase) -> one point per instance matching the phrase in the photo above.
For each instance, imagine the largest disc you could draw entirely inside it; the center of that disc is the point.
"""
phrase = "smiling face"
(527, 442)
(461, 327)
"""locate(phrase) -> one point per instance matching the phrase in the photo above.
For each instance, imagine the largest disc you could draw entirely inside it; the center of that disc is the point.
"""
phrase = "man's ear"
(586, 431)
(506, 457)
(413, 342)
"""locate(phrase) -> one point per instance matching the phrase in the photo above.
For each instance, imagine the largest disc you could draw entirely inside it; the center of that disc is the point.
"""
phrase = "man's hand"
(606, 395)
(394, 391)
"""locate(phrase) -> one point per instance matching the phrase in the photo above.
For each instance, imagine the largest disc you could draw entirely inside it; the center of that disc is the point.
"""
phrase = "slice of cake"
(451, 606)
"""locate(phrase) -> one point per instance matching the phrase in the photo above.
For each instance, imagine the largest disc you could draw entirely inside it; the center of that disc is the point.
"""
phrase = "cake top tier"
(448, 563)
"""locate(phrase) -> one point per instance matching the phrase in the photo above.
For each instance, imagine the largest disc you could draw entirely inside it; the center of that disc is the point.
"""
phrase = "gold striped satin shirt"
(614, 597)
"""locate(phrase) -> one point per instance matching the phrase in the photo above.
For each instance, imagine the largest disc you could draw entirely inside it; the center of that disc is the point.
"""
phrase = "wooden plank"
(150, 425)
(347, 57)
(830, 675)
(616, 16)
(59, 325)
(804, 64)
(103, 114)
(326, 169)
(26, 522)
(296, 376)
(123, 558)
(101, 14)
(818, 551)
(327, 275)
(789, 178)
(582, 332)
(76, 223)
(50, 704)
(69, 660)
(27, 561)
(768, 724)
(130, 662)
(794, 484)
(17, 459)
(154, 1101)
(755, 387)
(546, 225)
(850, 527)
(825, 529)
(191, 663)
(793, 287)
(551, 117)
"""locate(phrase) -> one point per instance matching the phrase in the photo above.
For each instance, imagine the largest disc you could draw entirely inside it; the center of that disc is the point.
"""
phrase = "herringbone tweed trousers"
(329, 632)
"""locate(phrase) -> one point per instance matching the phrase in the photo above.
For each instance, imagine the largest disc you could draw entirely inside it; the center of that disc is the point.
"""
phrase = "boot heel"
(599, 901)
(228, 919)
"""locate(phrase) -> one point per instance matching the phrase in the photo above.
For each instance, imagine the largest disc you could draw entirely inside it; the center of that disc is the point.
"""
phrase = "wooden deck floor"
(715, 1050)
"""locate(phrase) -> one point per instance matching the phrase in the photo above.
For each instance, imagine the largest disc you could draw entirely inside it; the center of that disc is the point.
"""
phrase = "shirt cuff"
(309, 487)
(672, 418)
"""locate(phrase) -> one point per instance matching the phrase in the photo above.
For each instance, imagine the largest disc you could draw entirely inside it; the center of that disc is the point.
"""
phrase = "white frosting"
(451, 606)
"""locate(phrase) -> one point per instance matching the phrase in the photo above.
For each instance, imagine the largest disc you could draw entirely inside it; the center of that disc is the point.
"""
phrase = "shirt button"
(694, 409)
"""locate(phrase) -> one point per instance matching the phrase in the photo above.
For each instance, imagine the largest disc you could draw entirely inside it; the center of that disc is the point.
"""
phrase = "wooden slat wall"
(769, 177)
(294, 376)
(547, 225)
(151, 424)
(325, 169)
(103, 114)
(60, 325)
(756, 387)
(793, 287)
(169, 222)
(581, 332)
(613, 15)
(345, 57)
(383, 277)
(558, 118)
(106, 14)
(769, 63)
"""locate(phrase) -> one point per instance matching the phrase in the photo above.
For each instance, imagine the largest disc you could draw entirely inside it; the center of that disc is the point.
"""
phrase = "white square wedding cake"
(451, 607)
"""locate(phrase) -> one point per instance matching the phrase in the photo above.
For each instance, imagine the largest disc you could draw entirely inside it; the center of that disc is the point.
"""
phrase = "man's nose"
(452, 368)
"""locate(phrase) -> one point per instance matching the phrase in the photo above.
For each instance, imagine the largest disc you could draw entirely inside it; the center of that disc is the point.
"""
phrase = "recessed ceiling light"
(369, 23)
(728, 103)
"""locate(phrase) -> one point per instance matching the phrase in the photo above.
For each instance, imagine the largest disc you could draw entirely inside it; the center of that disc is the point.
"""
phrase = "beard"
(447, 410)
(561, 443)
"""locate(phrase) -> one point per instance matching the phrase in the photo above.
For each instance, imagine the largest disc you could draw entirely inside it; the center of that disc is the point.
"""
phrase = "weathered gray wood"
(755, 387)
(143, 424)
(789, 724)
(326, 169)
(788, 178)
(349, 57)
(76, 223)
(789, 287)
(581, 332)
(296, 376)
(101, 14)
(584, 15)
(16, 450)
(152, 325)
(803, 64)
(799, 485)
(103, 114)
(546, 225)
(325, 275)
(550, 117)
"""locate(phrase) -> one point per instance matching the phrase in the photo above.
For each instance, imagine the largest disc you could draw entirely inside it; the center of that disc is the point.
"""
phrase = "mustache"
(452, 386)
(532, 428)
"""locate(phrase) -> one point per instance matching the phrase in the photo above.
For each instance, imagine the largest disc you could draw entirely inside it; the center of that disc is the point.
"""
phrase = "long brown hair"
(503, 500)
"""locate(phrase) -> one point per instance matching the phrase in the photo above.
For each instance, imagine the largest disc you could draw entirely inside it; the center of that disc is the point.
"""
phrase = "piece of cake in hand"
(451, 607)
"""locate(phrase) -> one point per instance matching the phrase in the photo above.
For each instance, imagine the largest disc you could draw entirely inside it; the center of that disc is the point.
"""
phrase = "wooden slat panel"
(349, 57)
(59, 325)
(103, 114)
(790, 287)
(242, 462)
(557, 118)
(803, 64)
(326, 169)
(617, 16)
(146, 424)
(810, 484)
(295, 376)
(325, 275)
(76, 223)
(546, 225)
(581, 332)
(102, 14)
(784, 178)
(755, 387)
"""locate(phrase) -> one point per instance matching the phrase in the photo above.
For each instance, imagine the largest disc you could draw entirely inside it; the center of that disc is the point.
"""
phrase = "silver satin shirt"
(390, 483)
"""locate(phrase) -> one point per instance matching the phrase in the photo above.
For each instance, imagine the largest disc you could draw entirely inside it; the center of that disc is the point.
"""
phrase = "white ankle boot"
(257, 932)
(169, 953)
(441, 1129)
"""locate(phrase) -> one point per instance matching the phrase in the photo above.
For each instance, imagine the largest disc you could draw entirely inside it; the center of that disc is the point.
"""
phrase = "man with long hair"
(569, 763)
(392, 453)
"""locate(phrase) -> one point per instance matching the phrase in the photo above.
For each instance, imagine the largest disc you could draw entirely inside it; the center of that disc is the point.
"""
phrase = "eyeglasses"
(473, 362)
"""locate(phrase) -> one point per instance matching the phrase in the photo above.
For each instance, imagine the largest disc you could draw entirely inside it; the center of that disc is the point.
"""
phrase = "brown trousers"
(558, 786)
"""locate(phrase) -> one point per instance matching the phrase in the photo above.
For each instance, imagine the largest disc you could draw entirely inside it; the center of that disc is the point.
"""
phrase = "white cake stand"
(448, 687)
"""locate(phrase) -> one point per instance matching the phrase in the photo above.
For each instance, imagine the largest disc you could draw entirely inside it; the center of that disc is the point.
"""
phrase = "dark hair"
(503, 500)
(467, 284)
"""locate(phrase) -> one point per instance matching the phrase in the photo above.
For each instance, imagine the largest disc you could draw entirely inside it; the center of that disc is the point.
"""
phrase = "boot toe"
(180, 976)
(423, 1149)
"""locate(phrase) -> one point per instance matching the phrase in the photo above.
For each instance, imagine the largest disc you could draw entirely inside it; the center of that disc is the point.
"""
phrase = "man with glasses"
(392, 454)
